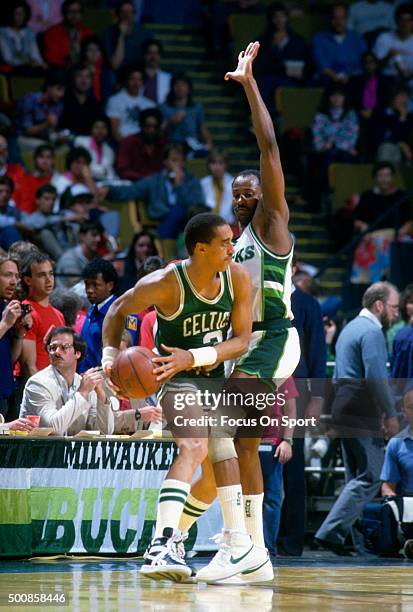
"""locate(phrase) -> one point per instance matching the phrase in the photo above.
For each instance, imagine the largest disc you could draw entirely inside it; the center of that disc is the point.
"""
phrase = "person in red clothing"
(14, 171)
(43, 172)
(37, 278)
(61, 42)
(142, 154)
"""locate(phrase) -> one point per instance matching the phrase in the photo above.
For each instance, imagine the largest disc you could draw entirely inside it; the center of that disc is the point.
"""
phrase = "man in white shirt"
(63, 399)
(395, 49)
(124, 108)
(157, 82)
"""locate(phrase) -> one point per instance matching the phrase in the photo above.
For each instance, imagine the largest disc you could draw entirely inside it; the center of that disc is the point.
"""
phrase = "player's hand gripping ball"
(132, 372)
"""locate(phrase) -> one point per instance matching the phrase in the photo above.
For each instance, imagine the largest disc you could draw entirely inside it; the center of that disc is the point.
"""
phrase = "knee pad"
(221, 449)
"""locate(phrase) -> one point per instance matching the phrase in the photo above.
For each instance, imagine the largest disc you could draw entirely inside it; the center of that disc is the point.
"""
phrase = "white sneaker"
(164, 559)
(236, 554)
(265, 573)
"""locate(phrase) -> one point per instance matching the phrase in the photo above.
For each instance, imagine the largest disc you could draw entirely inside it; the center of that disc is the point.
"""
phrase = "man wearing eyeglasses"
(63, 399)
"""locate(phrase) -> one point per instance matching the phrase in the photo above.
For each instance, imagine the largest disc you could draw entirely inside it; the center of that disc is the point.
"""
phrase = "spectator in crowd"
(392, 129)
(16, 425)
(276, 450)
(124, 108)
(68, 303)
(368, 18)
(335, 133)
(156, 82)
(309, 323)
(184, 119)
(43, 159)
(74, 260)
(402, 353)
(397, 472)
(61, 42)
(18, 252)
(217, 186)
(44, 14)
(13, 327)
(337, 52)
(78, 162)
(167, 195)
(13, 170)
(395, 49)
(37, 279)
(81, 108)
(63, 399)
(282, 57)
(18, 46)
(123, 40)
(142, 247)
(369, 90)
(142, 154)
(102, 154)
(11, 224)
(38, 114)
(101, 284)
(92, 58)
(362, 398)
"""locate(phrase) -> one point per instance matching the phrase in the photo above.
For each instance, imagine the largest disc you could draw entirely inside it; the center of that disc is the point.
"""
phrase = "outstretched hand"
(245, 59)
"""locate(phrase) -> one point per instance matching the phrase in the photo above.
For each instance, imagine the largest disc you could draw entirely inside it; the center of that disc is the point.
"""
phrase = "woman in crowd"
(142, 247)
(92, 57)
(217, 186)
(102, 154)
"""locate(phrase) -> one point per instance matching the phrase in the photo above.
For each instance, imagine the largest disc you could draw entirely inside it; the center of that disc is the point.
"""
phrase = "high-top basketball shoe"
(163, 558)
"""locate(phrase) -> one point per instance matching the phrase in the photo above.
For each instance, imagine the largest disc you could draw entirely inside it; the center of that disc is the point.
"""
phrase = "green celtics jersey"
(270, 276)
(198, 322)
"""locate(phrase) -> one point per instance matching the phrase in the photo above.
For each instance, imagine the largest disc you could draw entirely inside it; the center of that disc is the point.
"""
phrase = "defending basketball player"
(196, 302)
(265, 249)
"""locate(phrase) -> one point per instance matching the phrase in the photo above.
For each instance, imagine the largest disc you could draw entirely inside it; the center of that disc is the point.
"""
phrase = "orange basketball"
(132, 372)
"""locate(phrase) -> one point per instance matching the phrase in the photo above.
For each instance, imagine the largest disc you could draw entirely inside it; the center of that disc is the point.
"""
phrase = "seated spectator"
(142, 247)
(124, 108)
(16, 425)
(70, 266)
(38, 114)
(397, 471)
(61, 42)
(337, 52)
(402, 354)
(217, 186)
(141, 154)
(13, 170)
(156, 82)
(372, 254)
(168, 195)
(68, 303)
(92, 58)
(78, 162)
(282, 56)
(44, 14)
(12, 329)
(37, 279)
(18, 46)
(392, 129)
(11, 218)
(123, 40)
(335, 133)
(101, 284)
(395, 49)
(102, 154)
(369, 90)
(368, 18)
(184, 119)
(80, 107)
(63, 399)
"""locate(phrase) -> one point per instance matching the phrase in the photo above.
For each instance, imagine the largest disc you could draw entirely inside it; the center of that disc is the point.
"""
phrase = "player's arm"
(272, 177)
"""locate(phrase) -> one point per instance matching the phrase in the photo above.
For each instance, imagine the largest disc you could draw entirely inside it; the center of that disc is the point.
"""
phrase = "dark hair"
(381, 165)
(325, 107)
(75, 154)
(215, 153)
(402, 9)
(6, 180)
(248, 172)
(79, 345)
(68, 302)
(137, 236)
(377, 291)
(126, 72)
(151, 263)
(33, 257)
(66, 4)
(180, 76)
(337, 5)
(55, 76)
(405, 296)
(46, 189)
(177, 147)
(201, 228)
(120, 4)
(42, 149)
(274, 7)
(399, 88)
(148, 43)
(103, 267)
(150, 112)
(91, 226)
(15, 5)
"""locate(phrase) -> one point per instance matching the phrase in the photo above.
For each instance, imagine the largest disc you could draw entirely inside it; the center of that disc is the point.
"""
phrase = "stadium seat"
(297, 106)
(20, 86)
(197, 167)
(98, 19)
(126, 229)
(245, 28)
(4, 89)
(308, 25)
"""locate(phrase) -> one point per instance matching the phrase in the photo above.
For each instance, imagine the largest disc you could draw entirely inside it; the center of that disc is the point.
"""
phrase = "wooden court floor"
(116, 585)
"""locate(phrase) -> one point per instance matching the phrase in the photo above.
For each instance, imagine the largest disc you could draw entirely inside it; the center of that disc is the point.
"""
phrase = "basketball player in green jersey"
(196, 302)
(265, 249)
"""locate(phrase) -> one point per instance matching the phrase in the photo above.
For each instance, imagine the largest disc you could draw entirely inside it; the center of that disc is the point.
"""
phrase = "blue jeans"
(272, 472)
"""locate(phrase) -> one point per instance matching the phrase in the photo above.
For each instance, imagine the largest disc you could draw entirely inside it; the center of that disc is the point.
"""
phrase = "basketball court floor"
(317, 581)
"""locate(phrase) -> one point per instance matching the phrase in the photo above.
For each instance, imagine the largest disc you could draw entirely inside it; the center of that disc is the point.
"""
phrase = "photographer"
(12, 329)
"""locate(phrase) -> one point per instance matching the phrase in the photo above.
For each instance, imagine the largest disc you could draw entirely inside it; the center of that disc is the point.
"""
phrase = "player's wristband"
(204, 356)
(109, 354)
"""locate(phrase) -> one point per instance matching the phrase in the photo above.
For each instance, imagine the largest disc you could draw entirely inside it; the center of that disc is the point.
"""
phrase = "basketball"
(132, 373)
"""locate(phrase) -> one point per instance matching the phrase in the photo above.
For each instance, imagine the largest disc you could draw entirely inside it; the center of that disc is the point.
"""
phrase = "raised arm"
(272, 177)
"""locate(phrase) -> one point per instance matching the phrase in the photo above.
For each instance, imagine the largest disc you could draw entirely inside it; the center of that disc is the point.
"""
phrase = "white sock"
(232, 508)
(253, 518)
(192, 511)
(172, 497)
